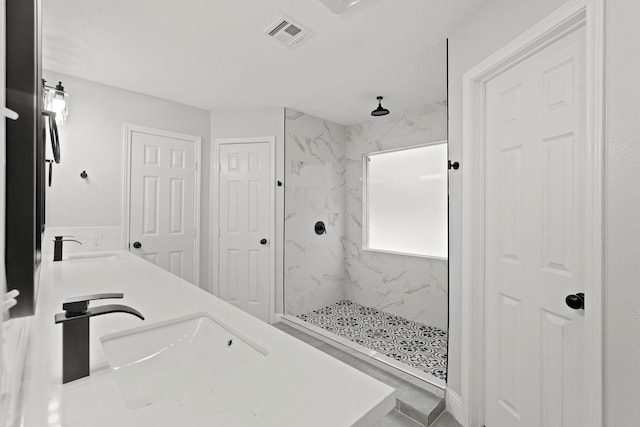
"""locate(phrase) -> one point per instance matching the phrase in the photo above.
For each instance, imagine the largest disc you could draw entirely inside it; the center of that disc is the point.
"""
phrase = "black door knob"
(137, 245)
(263, 241)
(575, 301)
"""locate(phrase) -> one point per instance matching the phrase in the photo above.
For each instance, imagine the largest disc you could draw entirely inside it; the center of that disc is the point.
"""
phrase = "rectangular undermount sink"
(161, 361)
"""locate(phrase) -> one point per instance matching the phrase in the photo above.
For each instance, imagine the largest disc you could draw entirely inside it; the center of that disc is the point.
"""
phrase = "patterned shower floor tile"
(420, 346)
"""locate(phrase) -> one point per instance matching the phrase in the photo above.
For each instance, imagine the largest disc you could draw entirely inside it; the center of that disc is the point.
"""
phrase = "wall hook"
(83, 175)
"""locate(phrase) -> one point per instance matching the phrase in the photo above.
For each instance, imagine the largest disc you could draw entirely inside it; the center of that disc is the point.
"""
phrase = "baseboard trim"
(454, 405)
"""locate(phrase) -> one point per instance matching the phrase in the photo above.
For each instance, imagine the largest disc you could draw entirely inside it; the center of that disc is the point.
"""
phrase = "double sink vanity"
(194, 361)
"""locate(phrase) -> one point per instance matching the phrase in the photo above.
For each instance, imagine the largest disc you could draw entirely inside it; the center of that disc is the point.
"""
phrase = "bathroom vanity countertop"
(296, 385)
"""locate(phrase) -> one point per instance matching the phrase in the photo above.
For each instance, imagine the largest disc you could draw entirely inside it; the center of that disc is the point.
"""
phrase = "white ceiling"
(212, 53)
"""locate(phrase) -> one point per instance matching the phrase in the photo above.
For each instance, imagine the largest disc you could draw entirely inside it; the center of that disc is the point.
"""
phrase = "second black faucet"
(57, 246)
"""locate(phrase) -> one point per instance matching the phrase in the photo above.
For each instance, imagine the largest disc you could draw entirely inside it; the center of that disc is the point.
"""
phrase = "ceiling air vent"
(287, 32)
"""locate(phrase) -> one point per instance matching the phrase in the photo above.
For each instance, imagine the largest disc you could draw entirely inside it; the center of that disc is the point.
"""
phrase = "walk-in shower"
(390, 304)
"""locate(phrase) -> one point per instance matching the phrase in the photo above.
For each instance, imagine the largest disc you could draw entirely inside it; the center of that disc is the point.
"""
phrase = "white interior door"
(244, 224)
(163, 184)
(535, 192)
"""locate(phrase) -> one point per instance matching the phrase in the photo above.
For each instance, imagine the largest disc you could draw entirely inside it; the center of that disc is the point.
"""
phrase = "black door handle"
(575, 301)
(263, 241)
(137, 245)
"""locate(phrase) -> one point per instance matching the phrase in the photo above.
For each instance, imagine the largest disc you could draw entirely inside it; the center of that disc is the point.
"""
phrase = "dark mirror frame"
(25, 154)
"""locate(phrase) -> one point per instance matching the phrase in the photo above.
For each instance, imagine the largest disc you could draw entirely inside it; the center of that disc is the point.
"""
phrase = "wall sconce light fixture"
(55, 100)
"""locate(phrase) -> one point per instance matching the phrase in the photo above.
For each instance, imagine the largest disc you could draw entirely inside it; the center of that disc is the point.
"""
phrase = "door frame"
(129, 129)
(214, 230)
(574, 14)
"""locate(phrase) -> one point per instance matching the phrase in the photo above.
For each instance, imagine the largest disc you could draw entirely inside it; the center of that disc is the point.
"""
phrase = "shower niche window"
(405, 201)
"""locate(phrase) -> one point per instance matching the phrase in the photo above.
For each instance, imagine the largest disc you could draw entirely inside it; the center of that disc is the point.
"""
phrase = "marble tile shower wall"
(314, 271)
(413, 287)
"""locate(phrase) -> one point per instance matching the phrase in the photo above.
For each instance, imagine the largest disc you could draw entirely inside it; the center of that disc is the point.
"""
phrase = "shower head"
(380, 111)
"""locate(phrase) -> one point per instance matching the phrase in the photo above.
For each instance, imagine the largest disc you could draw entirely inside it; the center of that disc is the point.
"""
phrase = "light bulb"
(58, 105)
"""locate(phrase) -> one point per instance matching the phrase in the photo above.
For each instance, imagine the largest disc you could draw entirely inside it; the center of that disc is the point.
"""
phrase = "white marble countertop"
(296, 386)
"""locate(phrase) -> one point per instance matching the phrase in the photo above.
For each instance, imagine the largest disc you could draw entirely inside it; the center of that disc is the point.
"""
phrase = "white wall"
(235, 124)
(622, 210)
(92, 140)
(494, 24)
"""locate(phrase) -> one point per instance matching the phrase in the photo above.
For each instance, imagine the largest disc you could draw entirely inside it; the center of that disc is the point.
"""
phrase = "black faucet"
(75, 331)
(57, 246)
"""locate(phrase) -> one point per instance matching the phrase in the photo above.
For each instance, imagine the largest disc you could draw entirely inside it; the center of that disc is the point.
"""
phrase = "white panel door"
(244, 224)
(535, 192)
(162, 205)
